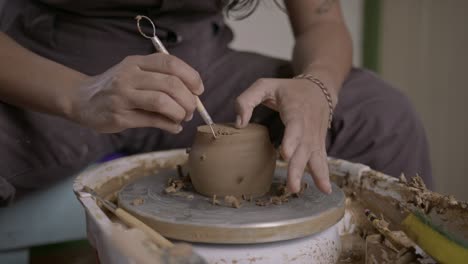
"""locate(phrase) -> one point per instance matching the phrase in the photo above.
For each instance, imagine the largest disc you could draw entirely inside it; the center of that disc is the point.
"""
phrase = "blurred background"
(419, 46)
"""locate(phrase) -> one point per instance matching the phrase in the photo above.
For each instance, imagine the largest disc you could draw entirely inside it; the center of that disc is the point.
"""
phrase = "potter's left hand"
(304, 112)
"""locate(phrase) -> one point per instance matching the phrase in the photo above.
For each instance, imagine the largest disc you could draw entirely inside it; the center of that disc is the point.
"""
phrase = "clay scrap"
(215, 201)
(427, 200)
(138, 201)
(397, 241)
(175, 185)
(281, 195)
(233, 201)
(388, 246)
(225, 131)
(276, 196)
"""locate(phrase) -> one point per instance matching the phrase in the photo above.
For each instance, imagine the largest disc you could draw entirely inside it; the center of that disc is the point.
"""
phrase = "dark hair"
(240, 9)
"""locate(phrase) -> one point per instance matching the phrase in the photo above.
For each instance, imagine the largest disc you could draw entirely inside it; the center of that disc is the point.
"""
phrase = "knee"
(383, 108)
(395, 115)
(392, 112)
(382, 126)
(401, 136)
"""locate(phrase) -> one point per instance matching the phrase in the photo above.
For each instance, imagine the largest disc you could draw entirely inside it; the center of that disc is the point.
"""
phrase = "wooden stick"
(132, 221)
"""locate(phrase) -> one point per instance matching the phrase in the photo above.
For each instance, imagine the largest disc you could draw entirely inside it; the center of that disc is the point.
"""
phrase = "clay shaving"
(215, 201)
(403, 178)
(138, 201)
(395, 240)
(388, 246)
(427, 200)
(224, 132)
(232, 201)
(420, 197)
(281, 196)
(247, 199)
(175, 185)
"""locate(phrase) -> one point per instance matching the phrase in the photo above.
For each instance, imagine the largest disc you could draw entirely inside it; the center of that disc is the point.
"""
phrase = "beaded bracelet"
(324, 90)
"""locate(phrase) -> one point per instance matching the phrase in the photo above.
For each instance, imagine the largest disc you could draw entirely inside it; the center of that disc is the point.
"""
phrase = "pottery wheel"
(188, 216)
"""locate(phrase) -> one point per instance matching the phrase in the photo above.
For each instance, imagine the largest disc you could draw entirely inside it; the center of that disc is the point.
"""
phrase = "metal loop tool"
(160, 48)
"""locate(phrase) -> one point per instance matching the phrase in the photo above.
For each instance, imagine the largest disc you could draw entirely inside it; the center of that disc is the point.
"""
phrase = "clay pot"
(239, 161)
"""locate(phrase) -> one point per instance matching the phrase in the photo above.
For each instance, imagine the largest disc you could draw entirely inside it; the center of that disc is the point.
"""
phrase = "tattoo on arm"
(325, 6)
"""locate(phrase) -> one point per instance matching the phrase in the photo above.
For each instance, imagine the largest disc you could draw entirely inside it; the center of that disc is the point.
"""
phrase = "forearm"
(30, 81)
(323, 45)
(325, 51)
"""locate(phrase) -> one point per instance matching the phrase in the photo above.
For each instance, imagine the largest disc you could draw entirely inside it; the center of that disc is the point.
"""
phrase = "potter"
(237, 162)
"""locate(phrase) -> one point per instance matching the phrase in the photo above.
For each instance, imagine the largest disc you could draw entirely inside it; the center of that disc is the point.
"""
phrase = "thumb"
(257, 93)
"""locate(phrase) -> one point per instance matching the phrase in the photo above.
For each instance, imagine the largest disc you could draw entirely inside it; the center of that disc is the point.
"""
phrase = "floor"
(76, 252)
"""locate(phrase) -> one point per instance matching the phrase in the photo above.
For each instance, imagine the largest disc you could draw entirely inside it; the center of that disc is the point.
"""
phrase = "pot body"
(238, 162)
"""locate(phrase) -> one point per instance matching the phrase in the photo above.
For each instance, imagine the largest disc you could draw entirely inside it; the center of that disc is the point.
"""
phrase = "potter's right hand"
(156, 90)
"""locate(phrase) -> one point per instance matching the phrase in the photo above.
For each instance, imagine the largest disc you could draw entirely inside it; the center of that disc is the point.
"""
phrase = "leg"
(375, 124)
(39, 149)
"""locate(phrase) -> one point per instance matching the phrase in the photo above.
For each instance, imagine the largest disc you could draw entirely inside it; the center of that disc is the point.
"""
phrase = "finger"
(157, 102)
(170, 85)
(140, 118)
(318, 167)
(261, 90)
(293, 134)
(296, 168)
(171, 65)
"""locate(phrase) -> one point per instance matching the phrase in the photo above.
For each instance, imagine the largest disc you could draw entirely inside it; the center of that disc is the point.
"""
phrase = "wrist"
(325, 91)
(68, 100)
(327, 77)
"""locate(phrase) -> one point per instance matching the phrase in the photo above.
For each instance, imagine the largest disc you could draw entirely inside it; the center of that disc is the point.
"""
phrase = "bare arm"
(33, 82)
(323, 45)
(155, 90)
(323, 49)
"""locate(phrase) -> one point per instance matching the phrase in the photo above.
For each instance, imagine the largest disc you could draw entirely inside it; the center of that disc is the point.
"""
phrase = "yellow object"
(434, 243)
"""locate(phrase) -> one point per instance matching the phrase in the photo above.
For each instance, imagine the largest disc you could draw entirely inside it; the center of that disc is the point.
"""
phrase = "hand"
(304, 112)
(156, 90)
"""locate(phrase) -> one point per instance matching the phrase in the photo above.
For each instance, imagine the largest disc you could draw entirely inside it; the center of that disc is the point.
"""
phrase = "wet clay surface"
(237, 162)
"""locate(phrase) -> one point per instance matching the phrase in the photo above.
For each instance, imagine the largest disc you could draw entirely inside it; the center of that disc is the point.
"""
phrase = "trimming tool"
(160, 48)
